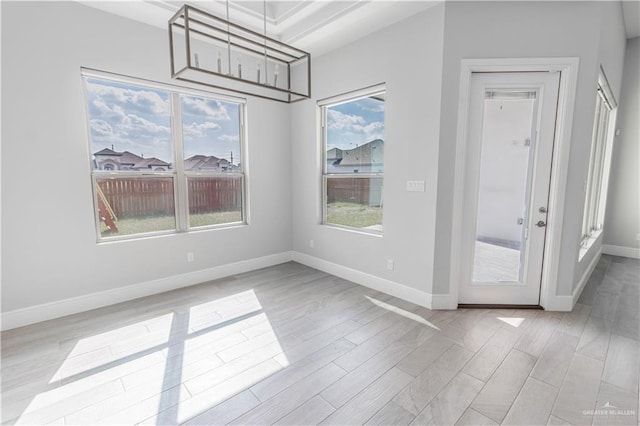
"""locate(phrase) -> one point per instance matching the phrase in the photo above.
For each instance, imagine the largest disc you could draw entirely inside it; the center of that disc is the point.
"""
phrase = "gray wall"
(611, 47)
(407, 56)
(50, 251)
(527, 29)
(622, 220)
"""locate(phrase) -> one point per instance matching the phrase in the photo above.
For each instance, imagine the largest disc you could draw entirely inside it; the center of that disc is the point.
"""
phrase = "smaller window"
(353, 164)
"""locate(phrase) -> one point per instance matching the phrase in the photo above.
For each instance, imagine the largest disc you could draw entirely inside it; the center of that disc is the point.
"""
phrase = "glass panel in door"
(504, 186)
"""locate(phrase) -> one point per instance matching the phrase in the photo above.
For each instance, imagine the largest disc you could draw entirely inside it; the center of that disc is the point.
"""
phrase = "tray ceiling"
(314, 26)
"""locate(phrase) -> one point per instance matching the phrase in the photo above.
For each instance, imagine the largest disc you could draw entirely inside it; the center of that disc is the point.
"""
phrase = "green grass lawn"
(354, 215)
(338, 213)
(137, 225)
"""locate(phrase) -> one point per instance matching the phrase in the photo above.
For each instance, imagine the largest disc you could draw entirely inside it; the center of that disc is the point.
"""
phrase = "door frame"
(568, 69)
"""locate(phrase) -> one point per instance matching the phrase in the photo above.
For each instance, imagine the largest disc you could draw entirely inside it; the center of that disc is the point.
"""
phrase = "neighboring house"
(367, 158)
(209, 163)
(108, 159)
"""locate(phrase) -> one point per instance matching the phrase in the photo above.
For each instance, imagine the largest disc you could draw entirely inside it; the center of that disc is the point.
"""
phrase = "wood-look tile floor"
(291, 345)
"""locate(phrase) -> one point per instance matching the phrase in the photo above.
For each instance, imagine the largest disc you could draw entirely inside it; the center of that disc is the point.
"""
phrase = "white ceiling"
(311, 25)
(631, 13)
(316, 26)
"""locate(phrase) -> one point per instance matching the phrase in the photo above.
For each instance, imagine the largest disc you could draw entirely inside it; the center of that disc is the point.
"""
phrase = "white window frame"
(177, 173)
(597, 181)
(323, 104)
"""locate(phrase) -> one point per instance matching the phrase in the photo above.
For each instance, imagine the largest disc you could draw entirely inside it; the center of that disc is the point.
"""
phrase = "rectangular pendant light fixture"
(214, 52)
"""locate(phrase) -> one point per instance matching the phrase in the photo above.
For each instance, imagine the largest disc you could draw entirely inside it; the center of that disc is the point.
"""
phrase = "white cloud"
(212, 109)
(195, 130)
(100, 128)
(374, 130)
(377, 108)
(140, 101)
(355, 125)
(130, 128)
(142, 127)
(133, 119)
(340, 121)
(134, 134)
(229, 138)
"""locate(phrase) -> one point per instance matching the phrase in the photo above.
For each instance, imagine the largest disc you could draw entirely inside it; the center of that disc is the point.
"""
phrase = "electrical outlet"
(311, 243)
(190, 256)
(415, 186)
(638, 237)
(390, 264)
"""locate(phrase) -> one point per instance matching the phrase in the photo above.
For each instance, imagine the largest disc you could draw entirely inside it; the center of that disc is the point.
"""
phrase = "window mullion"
(182, 205)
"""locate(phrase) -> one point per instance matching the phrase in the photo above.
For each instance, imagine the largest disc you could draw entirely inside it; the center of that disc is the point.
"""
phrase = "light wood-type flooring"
(291, 345)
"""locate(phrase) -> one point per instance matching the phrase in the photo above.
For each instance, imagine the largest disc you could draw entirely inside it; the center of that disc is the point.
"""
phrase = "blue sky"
(355, 123)
(137, 119)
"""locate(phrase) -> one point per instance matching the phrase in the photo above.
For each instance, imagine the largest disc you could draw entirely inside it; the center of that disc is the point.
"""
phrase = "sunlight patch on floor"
(94, 353)
(155, 368)
(222, 310)
(402, 312)
(512, 321)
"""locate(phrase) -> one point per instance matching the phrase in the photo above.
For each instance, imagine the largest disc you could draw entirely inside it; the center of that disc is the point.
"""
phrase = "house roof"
(334, 154)
(130, 158)
(107, 151)
(198, 157)
(196, 162)
(210, 163)
(149, 162)
(368, 153)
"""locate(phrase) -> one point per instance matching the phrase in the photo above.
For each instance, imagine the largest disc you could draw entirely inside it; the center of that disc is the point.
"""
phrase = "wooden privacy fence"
(214, 194)
(367, 191)
(130, 197)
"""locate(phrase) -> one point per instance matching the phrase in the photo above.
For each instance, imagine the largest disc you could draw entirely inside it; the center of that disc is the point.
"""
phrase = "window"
(163, 160)
(353, 163)
(597, 178)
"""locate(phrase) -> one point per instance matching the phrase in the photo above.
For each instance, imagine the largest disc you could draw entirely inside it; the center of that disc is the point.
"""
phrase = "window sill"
(362, 231)
(161, 234)
(586, 247)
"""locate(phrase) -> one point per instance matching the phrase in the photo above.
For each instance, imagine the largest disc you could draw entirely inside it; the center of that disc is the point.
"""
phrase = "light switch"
(415, 186)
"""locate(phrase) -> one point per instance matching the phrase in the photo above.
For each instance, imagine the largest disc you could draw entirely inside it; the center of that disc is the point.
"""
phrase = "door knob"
(541, 224)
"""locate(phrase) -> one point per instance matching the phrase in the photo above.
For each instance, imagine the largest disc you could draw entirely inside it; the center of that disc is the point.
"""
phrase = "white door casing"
(568, 68)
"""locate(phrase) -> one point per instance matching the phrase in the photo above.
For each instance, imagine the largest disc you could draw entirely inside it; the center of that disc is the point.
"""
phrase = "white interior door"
(508, 155)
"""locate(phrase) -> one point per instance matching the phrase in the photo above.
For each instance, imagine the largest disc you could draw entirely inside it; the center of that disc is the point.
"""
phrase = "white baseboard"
(443, 301)
(47, 311)
(567, 303)
(585, 277)
(630, 252)
(559, 304)
(384, 285)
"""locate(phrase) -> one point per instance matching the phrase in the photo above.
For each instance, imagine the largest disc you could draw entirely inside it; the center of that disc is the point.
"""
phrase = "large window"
(353, 164)
(597, 178)
(162, 160)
